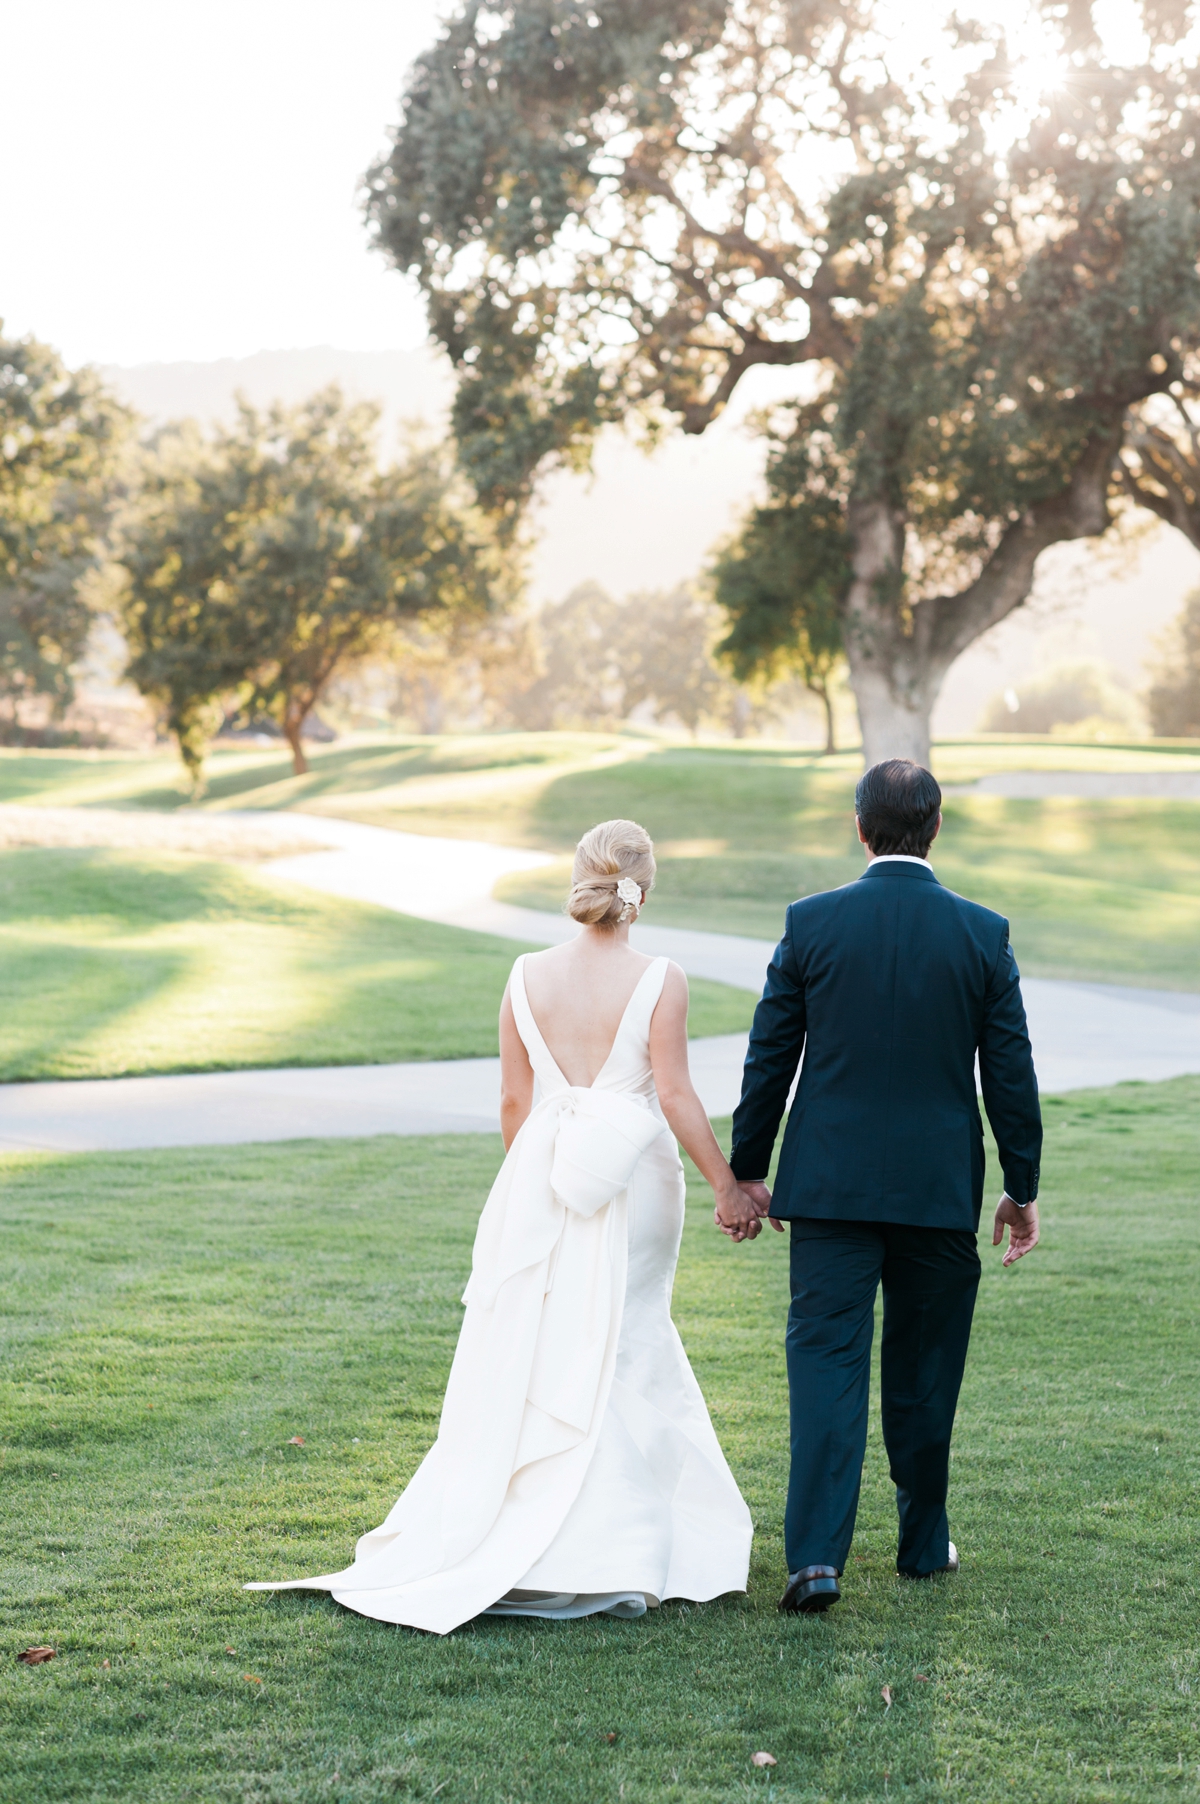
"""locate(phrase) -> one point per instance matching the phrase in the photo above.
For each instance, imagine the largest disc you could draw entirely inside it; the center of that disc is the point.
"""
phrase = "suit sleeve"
(1007, 1078)
(776, 1043)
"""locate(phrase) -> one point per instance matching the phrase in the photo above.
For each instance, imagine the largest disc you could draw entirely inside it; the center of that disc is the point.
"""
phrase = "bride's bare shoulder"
(675, 986)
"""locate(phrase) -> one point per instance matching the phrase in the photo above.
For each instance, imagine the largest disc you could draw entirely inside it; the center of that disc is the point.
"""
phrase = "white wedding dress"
(576, 1469)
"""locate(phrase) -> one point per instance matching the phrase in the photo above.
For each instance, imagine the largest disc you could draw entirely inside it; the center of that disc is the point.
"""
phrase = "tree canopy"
(619, 208)
(781, 581)
(60, 438)
(262, 560)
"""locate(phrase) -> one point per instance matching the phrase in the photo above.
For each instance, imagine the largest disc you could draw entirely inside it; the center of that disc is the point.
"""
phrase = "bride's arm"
(684, 1111)
(516, 1076)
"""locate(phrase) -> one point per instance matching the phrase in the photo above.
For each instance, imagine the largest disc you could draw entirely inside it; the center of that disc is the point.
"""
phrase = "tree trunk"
(899, 656)
(894, 719)
(894, 680)
(821, 691)
(293, 723)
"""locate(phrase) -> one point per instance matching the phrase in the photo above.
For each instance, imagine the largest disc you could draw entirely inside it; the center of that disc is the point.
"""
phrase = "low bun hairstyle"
(611, 851)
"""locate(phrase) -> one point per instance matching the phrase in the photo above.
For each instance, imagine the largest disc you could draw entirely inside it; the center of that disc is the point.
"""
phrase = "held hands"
(1022, 1228)
(741, 1208)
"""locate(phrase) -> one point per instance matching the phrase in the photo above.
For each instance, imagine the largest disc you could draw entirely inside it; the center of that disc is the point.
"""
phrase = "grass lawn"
(171, 1324)
(1102, 890)
(1106, 890)
(112, 962)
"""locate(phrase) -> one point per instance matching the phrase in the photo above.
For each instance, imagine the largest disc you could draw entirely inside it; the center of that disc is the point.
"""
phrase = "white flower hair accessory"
(630, 893)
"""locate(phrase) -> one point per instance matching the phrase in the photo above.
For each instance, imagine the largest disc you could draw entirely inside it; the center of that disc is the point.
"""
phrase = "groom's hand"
(1022, 1227)
(740, 1210)
(759, 1197)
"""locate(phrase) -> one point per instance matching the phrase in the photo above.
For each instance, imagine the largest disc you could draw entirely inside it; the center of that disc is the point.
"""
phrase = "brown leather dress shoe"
(810, 1591)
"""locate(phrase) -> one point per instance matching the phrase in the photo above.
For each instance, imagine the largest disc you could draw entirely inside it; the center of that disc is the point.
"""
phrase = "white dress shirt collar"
(900, 858)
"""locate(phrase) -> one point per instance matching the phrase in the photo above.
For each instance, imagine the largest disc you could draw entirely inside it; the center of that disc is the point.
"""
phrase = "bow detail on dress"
(575, 1152)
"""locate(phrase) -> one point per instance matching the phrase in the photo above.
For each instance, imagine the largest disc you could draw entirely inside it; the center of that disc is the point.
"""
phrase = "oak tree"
(619, 208)
(61, 435)
(264, 559)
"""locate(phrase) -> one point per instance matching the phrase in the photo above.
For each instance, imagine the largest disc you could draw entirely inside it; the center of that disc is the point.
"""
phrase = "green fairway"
(113, 963)
(478, 784)
(497, 786)
(1105, 890)
(172, 1321)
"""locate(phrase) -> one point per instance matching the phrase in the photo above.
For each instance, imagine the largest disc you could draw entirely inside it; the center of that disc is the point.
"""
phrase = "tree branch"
(1079, 511)
(1164, 463)
(754, 351)
(824, 332)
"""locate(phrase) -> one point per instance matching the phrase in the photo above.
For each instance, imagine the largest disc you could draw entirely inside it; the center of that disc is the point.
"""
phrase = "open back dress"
(576, 1469)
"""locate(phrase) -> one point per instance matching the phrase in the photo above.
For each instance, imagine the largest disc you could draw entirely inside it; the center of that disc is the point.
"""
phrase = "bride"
(576, 1469)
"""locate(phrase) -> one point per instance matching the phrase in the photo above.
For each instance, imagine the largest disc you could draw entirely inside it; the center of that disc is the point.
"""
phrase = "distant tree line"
(589, 661)
(257, 568)
(273, 563)
(1173, 698)
(1080, 696)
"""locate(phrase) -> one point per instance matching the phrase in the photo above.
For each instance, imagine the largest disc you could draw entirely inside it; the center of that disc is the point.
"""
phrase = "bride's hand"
(739, 1212)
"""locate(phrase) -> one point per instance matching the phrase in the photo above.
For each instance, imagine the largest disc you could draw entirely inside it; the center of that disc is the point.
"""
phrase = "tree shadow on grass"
(55, 999)
(267, 779)
(93, 888)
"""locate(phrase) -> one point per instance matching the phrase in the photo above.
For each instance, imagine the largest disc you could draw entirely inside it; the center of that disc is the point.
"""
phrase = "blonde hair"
(605, 855)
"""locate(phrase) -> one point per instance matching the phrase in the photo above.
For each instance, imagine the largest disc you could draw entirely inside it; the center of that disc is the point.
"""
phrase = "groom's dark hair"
(898, 803)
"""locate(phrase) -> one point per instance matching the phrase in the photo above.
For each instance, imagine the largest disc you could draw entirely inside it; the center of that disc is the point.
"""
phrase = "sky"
(178, 181)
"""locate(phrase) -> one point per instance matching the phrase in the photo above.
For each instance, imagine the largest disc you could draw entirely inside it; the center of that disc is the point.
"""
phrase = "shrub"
(1084, 695)
(1173, 697)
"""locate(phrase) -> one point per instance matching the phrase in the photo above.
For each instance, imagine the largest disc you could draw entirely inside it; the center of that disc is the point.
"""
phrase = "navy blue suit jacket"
(889, 988)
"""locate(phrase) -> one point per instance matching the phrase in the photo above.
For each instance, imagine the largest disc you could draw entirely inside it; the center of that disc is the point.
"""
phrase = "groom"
(888, 988)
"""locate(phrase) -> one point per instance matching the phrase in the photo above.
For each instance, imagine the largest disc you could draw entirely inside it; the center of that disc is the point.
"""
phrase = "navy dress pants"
(929, 1277)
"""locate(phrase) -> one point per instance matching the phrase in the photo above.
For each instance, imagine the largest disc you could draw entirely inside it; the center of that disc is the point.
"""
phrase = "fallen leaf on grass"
(885, 1692)
(610, 1737)
(231, 1650)
(251, 1679)
(297, 1440)
(37, 1656)
(922, 1678)
(763, 1760)
(106, 1665)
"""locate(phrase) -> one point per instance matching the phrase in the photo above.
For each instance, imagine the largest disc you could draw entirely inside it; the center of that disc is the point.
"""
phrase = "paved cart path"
(1084, 1035)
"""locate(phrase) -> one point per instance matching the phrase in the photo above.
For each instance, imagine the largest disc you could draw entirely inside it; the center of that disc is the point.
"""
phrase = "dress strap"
(645, 998)
(540, 1056)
